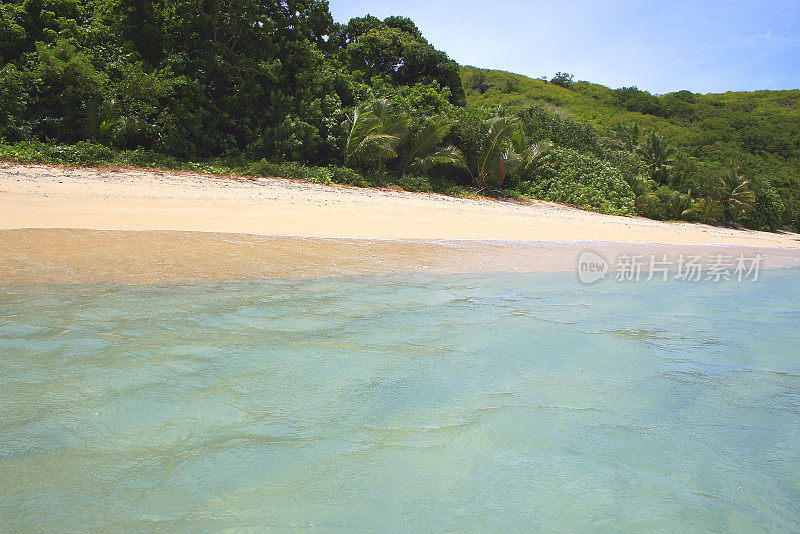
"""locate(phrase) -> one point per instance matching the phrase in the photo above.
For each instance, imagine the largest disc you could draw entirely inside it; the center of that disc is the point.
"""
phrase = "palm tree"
(657, 155)
(676, 204)
(367, 139)
(642, 188)
(737, 198)
(103, 120)
(531, 156)
(393, 122)
(426, 150)
(627, 137)
(640, 185)
(495, 157)
(706, 209)
(501, 110)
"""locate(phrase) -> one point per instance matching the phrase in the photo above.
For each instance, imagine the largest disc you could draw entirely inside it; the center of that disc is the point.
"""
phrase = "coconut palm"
(495, 157)
(531, 155)
(501, 110)
(426, 151)
(706, 209)
(103, 120)
(393, 122)
(657, 155)
(676, 204)
(642, 188)
(367, 139)
(640, 185)
(737, 198)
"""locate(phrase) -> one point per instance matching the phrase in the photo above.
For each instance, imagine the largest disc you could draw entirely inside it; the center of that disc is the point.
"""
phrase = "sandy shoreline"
(82, 256)
(81, 225)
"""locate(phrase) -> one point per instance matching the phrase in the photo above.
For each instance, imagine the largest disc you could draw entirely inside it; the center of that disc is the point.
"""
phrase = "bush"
(13, 95)
(629, 165)
(82, 153)
(407, 182)
(298, 171)
(345, 176)
(146, 158)
(581, 180)
(411, 182)
(539, 125)
(768, 209)
(650, 206)
(292, 170)
(633, 99)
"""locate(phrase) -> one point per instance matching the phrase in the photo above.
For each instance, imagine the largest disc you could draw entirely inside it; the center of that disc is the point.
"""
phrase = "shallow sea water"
(396, 403)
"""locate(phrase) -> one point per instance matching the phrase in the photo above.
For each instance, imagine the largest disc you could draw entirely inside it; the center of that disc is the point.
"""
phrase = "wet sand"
(81, 256)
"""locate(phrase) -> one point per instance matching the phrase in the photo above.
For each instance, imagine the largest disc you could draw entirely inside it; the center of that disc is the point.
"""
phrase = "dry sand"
(77, 225)
(53, 197)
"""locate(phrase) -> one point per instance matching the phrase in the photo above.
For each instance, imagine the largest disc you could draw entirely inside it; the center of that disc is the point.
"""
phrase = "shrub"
(410, 182)
(539, 125)
(82, 153)
(318, 175)
(629, 165)
(146, 158)
(649, 206)
(13, 95)
(563, 79)
(345, 176)
(582, 180)
(633, 99)
(292, 170)
(769, 208)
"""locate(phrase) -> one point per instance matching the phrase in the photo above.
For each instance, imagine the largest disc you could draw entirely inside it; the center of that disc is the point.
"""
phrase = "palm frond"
(491, 163)
(448, 155)
(426, 141)
(532, 158)
(706, 209)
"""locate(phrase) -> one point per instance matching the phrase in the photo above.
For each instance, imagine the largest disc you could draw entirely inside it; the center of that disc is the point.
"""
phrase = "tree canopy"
(211, 78)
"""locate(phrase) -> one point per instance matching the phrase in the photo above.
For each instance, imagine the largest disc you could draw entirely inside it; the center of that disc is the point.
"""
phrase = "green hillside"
(766, 121)
(759, 132)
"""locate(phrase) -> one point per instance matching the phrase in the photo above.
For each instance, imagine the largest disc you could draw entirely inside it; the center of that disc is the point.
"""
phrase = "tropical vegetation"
(279, 88)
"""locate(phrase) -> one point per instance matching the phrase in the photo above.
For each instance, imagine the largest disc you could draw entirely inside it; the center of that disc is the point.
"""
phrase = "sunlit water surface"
(492, 402)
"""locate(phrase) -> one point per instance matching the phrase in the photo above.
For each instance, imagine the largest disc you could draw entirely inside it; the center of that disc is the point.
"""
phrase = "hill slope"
(756, 131)
(759, 121)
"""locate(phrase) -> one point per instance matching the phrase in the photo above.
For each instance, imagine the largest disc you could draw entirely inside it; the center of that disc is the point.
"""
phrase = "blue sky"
(704, 46)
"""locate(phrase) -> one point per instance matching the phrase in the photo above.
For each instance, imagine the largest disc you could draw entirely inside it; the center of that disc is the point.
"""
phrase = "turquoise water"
(425, 403)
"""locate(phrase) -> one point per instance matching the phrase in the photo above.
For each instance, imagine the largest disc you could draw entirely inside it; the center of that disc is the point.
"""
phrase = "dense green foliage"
(689, 141)
(582, 180)
(278, 88)
(203, 79)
